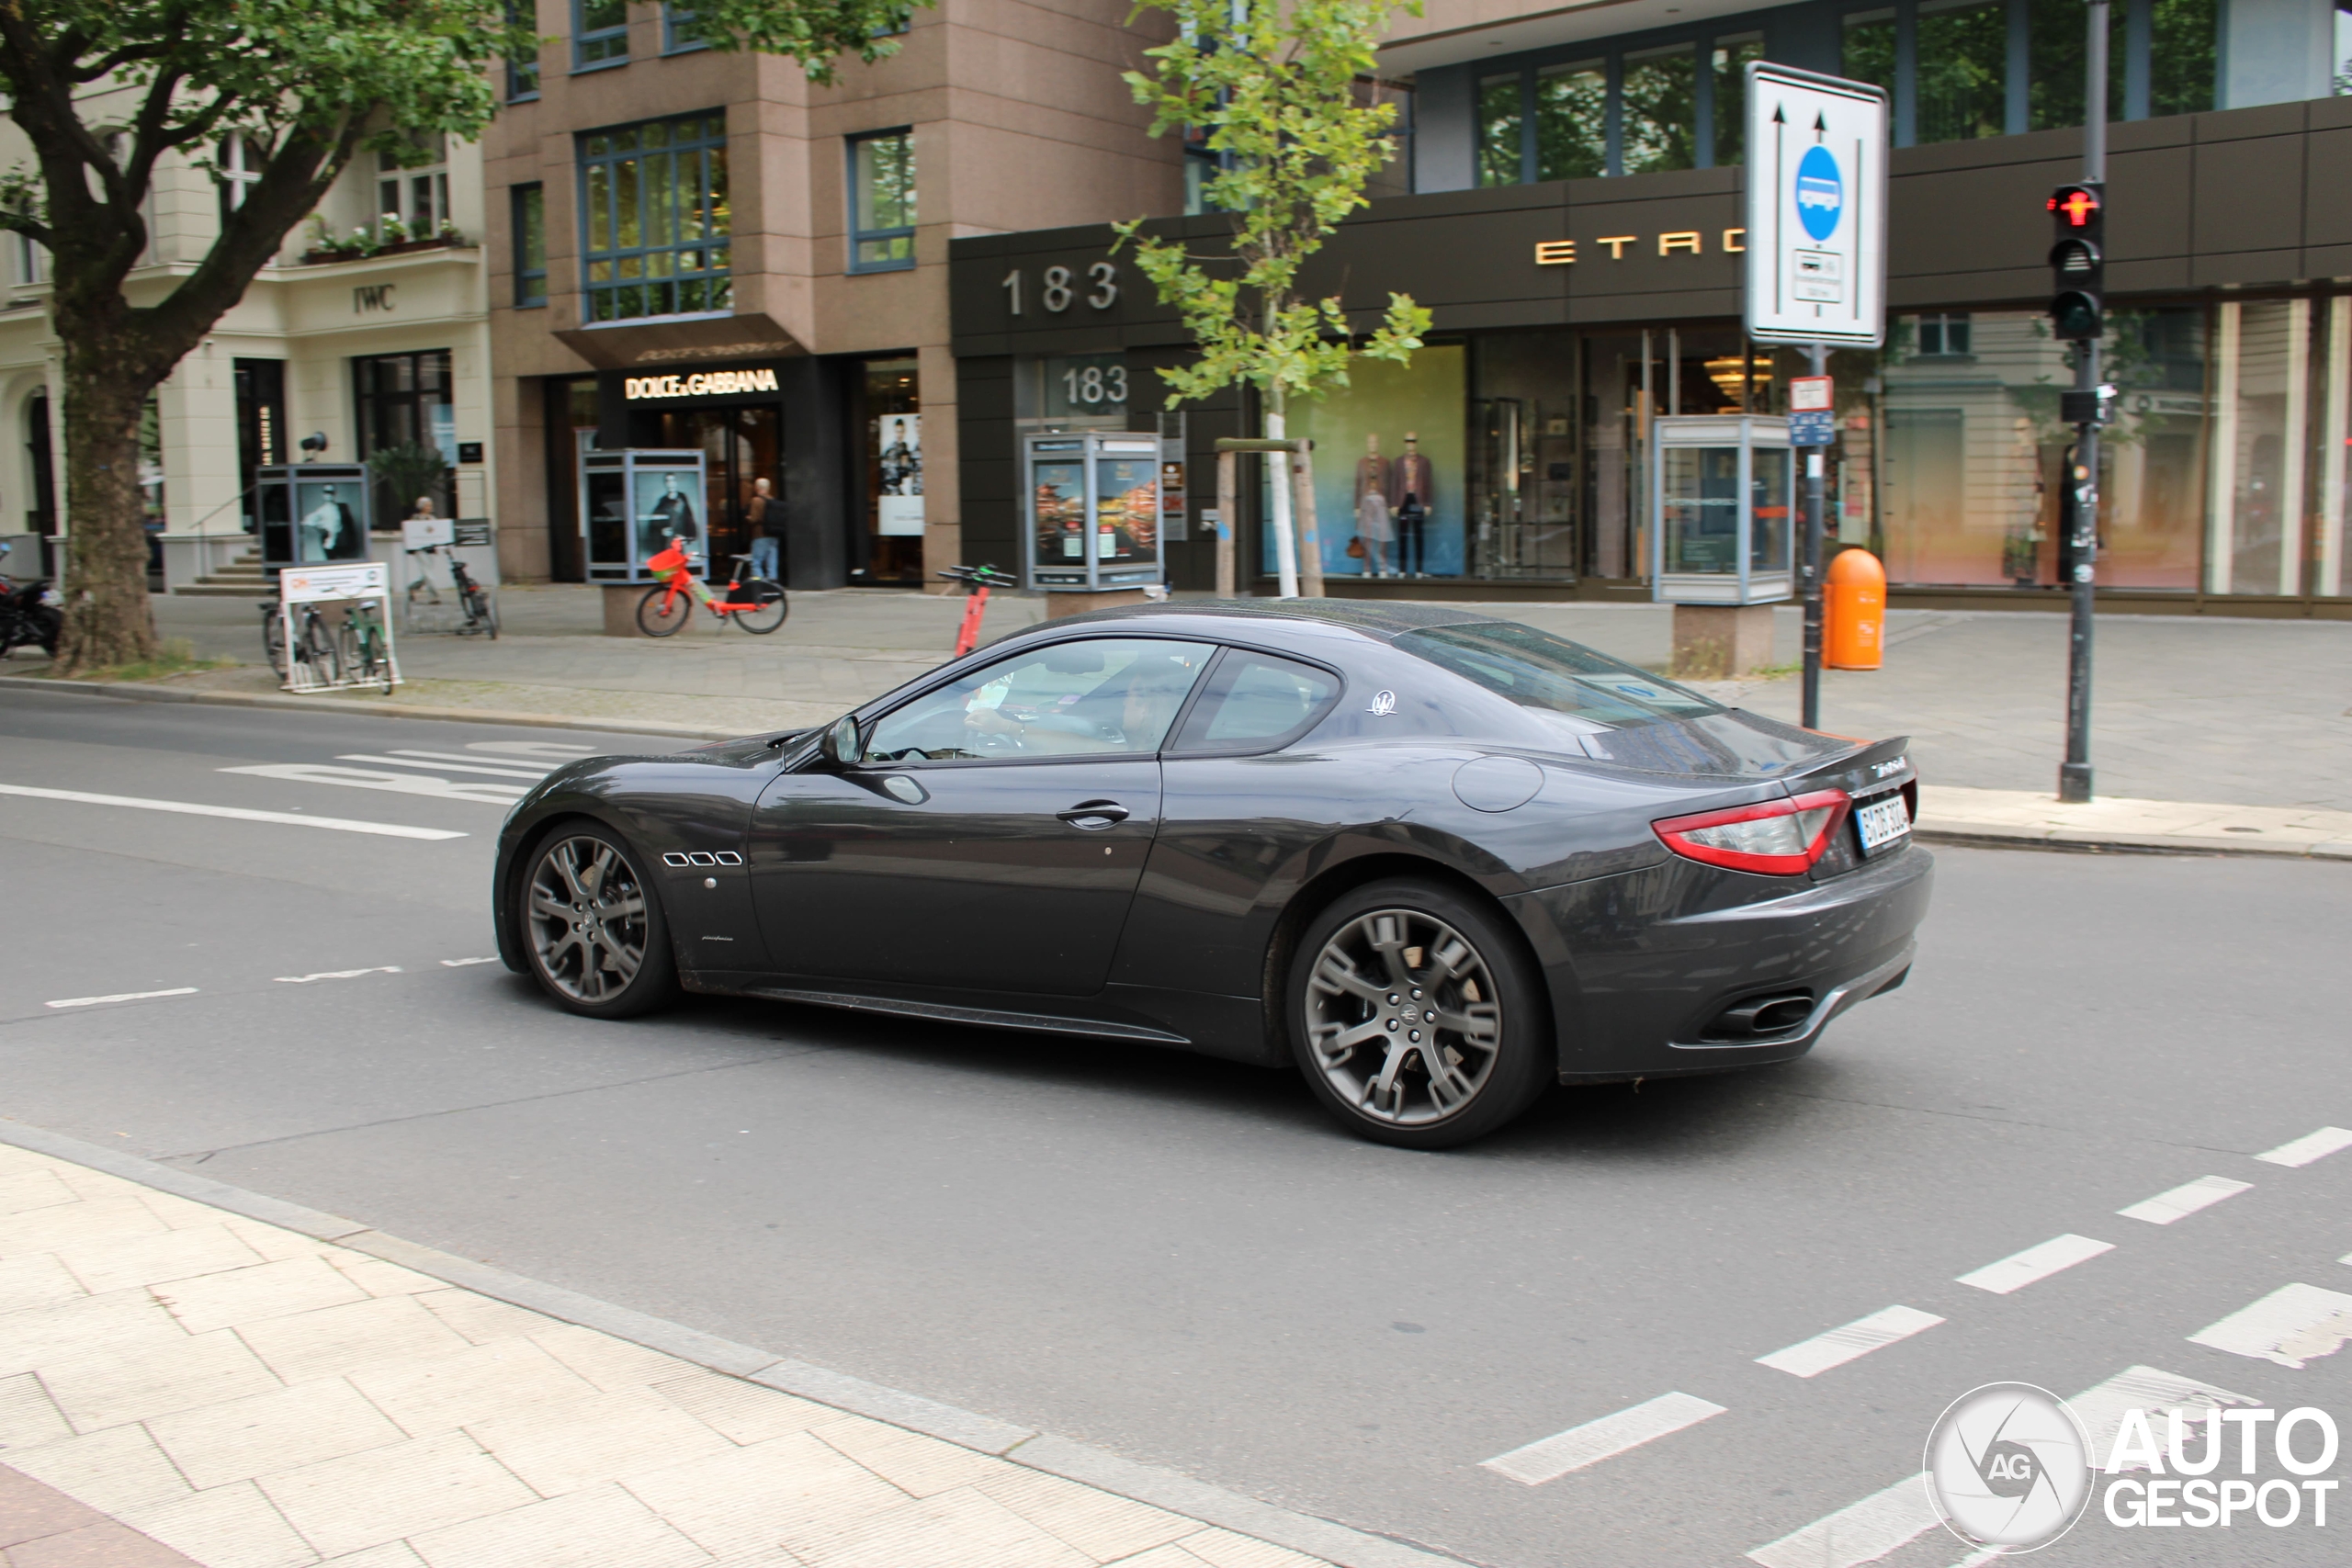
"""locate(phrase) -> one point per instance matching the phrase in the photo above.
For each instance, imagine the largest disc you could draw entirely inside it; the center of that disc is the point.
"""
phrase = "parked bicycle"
(754, 603)
(314, 646)
(360, 645)
(481, 610)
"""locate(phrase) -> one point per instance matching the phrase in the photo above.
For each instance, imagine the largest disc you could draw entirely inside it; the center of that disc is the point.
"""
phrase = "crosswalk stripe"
(2293, 1325)
(2020, 1270)
(2309, 1148)
(1860, 1337)
(520, 764)
(236, 813)
(436, 766)
(2184, 1200)
(483, 793)
(1859, 1532)
(2100, 1408)
(1553, 1457)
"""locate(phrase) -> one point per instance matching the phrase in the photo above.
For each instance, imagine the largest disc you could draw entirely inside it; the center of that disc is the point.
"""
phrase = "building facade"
(700, 251)
(1574, 221)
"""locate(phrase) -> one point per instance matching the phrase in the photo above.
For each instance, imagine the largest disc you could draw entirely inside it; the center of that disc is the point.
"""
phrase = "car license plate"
(1882, 822)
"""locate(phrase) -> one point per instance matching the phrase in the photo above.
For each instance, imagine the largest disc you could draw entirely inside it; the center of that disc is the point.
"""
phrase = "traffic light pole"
(1813, 530)
(2082, 553)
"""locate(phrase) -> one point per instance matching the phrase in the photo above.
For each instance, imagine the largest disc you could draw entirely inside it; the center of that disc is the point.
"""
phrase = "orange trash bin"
(1854, 630)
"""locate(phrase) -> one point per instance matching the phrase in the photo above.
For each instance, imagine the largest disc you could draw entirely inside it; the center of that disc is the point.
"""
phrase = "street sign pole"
(1815, 529)
(2075, 773)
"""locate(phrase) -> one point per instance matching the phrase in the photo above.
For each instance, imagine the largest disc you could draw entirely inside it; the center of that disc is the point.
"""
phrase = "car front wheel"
(1416, 1016)
(593, 927)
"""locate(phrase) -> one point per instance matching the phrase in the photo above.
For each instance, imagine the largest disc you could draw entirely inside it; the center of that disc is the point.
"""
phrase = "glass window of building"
(892, 391)
(2056, 48)
(404, 399)
(1941, 333)
(1729, 61)
(32, 261)
(413, 189)
(530, 245)
(1869, 52)
(523, 70)
(1571, 121)
(2183, 35)
(238, 168)
(653, 203)
(1659, 114)
(1502, 158)
(680, 30)
(599, 33)
(1960, 86)
(882, 202)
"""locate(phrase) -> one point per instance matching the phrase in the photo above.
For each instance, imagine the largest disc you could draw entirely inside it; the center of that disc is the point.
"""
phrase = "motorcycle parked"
(31, 614)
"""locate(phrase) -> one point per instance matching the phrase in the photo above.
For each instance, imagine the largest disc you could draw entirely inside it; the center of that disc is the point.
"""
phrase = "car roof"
(1382, 621)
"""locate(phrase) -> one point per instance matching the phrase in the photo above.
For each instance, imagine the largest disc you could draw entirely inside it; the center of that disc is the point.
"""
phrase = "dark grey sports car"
(1435, 860)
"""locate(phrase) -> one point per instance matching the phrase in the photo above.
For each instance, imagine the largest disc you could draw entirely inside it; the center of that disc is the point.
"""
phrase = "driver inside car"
(1129, 712)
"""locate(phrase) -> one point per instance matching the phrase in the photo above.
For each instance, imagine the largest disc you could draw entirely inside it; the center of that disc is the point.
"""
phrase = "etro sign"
(701, 384)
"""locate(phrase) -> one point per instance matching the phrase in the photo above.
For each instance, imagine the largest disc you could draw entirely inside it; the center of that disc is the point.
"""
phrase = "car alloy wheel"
(595, 932)
(1402, 1017)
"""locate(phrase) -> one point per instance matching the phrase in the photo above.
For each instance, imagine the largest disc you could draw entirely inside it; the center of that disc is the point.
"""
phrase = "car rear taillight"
(1778, 838)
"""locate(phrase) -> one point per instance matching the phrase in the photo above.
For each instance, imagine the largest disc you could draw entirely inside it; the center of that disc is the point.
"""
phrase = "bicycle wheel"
(318, 650)
(766, 605)
(273, 643)
(379, 662)
(480, 613)
(661, 613)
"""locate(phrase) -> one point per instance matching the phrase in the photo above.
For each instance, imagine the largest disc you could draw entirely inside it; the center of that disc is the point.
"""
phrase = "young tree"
(105, 91)
(1274, 84)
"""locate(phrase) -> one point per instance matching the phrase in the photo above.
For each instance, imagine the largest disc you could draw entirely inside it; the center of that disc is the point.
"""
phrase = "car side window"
(1099, 697)
(1256, 702)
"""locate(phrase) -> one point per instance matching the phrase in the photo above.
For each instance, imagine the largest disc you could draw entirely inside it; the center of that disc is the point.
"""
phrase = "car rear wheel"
(593, 927)
(1416, 1016)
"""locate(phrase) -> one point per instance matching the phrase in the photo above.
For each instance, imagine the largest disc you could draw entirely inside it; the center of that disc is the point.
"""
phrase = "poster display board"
(313, 513)
(633, 503)
(323, 652)
(1094, 505)
(899, 511)
(1722, 491)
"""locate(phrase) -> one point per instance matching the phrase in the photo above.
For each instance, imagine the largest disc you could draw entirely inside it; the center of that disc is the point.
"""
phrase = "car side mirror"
(840, 746)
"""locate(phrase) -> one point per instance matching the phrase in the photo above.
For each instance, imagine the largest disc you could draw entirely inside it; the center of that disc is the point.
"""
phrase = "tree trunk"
(108, 382)
(1285, 543)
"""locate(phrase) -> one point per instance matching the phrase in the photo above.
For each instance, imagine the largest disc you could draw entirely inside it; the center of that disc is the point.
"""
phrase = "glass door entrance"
(741, 446)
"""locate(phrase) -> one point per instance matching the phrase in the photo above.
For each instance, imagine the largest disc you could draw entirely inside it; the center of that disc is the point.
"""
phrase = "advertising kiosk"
(1723, 491)
(312, 514)
(632, 501)
(1091, 506)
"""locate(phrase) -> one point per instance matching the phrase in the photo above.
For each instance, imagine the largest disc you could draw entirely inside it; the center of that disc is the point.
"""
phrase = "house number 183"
(1060, 288)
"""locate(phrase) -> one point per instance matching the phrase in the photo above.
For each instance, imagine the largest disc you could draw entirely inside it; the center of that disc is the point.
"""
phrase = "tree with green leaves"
(108, 92)
(1276, 88)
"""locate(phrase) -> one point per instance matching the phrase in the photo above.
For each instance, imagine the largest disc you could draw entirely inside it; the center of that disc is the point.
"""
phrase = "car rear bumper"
(1641, 990)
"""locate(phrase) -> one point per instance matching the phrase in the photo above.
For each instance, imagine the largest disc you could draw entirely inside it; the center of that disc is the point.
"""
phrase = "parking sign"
(1816, 209)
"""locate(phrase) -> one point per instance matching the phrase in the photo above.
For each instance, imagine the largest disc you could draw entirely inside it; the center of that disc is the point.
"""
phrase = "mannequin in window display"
(1372, 494)
(1410, 475)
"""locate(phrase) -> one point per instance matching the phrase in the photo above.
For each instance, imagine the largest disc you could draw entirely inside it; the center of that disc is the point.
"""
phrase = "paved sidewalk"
(182, 1383)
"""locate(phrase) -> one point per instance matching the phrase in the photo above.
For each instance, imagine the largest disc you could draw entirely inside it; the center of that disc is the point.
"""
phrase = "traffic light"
(2079, 269)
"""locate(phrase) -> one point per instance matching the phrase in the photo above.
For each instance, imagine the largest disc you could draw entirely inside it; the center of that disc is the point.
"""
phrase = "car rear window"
(1551, 674)
(1256, 701)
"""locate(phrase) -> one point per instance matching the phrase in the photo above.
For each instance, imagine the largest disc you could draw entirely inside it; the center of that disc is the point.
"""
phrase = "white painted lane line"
(2184, 1200)
(560, 750)
(483, 794)
(2293, 1325)
(461, 963)
(1555, 1456)
(1861, 1532)
(122, 997)
(2018, 1271)
(236, 813)
(2309, 1148)
(337, 975)
(1839, 1345)
(512, 765)
(2159, 1393)
(396, 760)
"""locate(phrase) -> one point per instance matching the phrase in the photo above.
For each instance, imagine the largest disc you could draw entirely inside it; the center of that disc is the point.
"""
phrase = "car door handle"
(1095, 815)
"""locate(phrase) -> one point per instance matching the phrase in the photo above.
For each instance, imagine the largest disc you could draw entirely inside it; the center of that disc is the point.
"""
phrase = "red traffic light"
(2078, 205)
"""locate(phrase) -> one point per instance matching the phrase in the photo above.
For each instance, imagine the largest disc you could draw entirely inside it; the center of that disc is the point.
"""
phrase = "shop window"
(530, 245)
(599, 33)
(404, 399)
(1659, 113)
(882, 202)
(2058, 40)
(413, 189)
(1729, 61)
(892, 392)
(1502, 160)
(655, 218)
(1961, 84)
(1572, 121)
(2183, 35)
(523, 70)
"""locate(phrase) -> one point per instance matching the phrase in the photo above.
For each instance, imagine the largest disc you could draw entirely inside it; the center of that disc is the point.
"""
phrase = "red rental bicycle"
(754, 603)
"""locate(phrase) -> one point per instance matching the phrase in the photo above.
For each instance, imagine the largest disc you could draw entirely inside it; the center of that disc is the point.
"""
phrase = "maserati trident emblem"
(1383, 704)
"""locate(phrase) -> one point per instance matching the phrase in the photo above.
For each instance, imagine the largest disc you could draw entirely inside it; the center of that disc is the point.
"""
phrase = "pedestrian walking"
(762, 519)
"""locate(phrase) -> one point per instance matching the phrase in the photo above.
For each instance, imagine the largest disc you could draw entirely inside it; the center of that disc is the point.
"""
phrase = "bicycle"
(314, 645)
(481, 612)
(360, 646)
(754, 603)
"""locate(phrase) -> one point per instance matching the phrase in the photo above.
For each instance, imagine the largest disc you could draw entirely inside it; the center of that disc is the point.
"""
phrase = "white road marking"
(2309, 1148)
(1860, 1337)
(520, 764)
(122, 997)
(2020, 1270)
(337, 975)
(2293, 1325)
(2102, 1408)
(1555, 1456)
(2184, 1200)
(461, 963)
(483, 793)
(557, 748)
(410, 760)
(236, 813)
(1859, 1532)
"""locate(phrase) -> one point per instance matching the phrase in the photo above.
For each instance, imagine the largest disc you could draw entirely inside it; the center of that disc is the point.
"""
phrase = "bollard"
(1856, 612)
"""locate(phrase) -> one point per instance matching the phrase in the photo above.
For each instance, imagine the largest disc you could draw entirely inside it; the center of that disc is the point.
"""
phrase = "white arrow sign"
(1816, 209)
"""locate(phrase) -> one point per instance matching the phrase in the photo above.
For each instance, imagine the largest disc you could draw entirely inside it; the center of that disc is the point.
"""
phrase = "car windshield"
(1554, 676)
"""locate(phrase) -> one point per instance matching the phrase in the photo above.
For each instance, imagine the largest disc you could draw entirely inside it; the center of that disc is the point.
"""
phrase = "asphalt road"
(1179, 1259)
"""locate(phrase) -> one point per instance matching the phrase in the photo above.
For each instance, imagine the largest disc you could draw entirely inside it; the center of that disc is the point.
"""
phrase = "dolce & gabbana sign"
(700, 384)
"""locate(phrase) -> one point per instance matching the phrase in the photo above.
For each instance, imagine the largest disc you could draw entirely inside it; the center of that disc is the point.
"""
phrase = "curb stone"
(1087, 1466)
